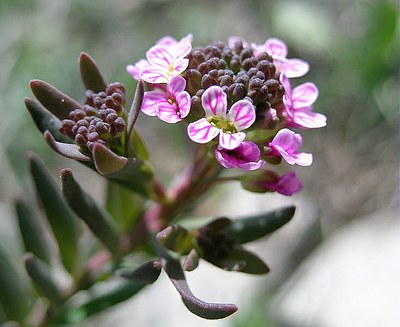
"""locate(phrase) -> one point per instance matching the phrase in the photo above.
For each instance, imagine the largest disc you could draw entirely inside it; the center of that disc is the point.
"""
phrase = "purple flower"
(287, 184)
(298, 105)
(228, 125)
(165, 60)
(245, 156)
(278, 50)
(170, 103)
(285, 144)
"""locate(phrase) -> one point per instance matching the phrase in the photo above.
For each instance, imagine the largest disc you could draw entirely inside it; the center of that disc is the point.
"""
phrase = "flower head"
(278, 50)
(171, 103)
(218, 121)
(165, 60)
(285, 144)
(245, 156)
(298, 105)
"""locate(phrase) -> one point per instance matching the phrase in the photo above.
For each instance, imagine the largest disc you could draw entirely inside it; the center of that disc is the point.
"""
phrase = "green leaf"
(54, 100)
(176, 238)
(97, 299)
(123, 205)
(33, 232)
(13, 298)
(147, 273)
(135, 108)
(200, 308)
(98, 220)
(244, 261)
(90, 74)
(133, 173)
(45, 120)
(62, 220)
(137, 146)
(248, 229)
(43, 278)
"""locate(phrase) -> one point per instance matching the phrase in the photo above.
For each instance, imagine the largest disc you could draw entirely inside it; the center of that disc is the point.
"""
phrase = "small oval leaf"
(90, 74)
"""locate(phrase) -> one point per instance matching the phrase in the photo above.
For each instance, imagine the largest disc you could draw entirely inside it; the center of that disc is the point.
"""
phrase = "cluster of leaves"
(82, 257)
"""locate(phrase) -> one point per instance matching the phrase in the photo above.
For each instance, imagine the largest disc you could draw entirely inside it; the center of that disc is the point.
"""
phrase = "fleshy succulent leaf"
(32, 231)
(54, 100)
(147, 273)
(45, 120)
(244, 261)
(13, 296)
(87, 209)
(62, 220)
(219, 224)
(68, 150)
(198, 307)
(176, 238)
(135, 107)
(43, 278)
(248, 229)
(90, 74)
(191, 261)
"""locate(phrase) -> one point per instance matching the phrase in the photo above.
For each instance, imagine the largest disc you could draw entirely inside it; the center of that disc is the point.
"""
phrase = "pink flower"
(170, 103)
(245, 156)
(298, 105)
(228, 125)
(278, 50)
(165, 60)
(287, 184)
(285, 144)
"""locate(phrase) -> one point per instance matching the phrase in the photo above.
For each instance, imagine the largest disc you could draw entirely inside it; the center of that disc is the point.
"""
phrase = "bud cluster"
(101, 119)
(236, 69)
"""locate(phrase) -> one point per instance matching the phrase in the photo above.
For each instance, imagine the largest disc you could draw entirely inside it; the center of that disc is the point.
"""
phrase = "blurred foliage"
(352, 46)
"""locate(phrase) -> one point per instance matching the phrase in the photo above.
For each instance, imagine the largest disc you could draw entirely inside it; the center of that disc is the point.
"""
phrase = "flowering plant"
(237, 106)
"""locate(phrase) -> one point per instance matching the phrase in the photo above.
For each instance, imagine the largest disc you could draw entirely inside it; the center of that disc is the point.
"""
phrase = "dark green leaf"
(45, 120)
(248, 229)
(13, 298)
(43, 278)
(135, 107)
(200, 308)
(63, 222)
(33, 232)
(147, 273)
(90, 74)
(86, 208)
(54, 100)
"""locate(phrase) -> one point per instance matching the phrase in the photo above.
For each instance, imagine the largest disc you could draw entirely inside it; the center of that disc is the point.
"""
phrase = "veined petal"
(178, 66)
(214, 102)
(231, 141)
(304, 95)
(286, 84)
(184, 46)
(282, 64)
(297, 68)
(287, 140)
(168, 112)
(275, 47)
(154, 75)
(308, 119)
(159, 55)
(184, 104)
(302, 158)
(176, 85)
(242, 114)
(150, 101)
(201, 131)
(167, 41)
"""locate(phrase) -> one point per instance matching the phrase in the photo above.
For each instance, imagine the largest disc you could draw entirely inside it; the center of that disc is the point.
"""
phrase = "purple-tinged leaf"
(251, 228)
(135, 107)
(198, 307)
(147, 273)
(71, 151)
(54, 100)
(90, 74)
(176, 238)
(191, 261)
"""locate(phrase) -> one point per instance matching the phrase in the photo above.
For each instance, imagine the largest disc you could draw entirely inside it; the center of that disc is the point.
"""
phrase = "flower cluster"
(235, 98)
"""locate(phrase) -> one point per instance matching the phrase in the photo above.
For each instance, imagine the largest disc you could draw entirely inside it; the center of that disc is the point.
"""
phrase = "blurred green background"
(352, 47)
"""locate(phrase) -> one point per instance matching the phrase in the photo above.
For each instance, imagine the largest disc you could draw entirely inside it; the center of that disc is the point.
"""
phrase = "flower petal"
(304, 95)
(201, 131)
(242, 114)
(287, 184)
(282, 64)
(150, 101)
(297, 68)
(231, 141)
(214, 102)
(178, 66)
(134, 70)
(154, 75)
(275, 47)
(168, 112)
(184, 104)
(184, 46)
(159, 55)
(308, 119)
(302, 158)
(176, 85)
(287, 140)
